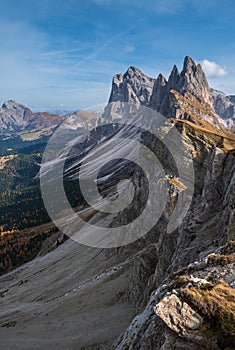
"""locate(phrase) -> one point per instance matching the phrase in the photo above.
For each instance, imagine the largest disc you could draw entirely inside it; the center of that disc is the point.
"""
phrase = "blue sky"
(63, 54)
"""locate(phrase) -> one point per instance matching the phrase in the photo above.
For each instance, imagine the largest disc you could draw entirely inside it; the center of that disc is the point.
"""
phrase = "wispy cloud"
(213, 70)
(62, 52)
(104, 45)
(102, 2)
(39, 76)
(129, 49)
(34, 74)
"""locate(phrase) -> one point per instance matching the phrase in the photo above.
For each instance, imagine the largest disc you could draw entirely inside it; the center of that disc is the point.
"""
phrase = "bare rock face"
(173, 78)
(16, 117)
(193, 80)
(185, 308)
(201, 311)
(184, 95)
(194, 308)
(135, 87)
(178, 315)
(15, 106)
(159, 95)
(191, 83)
(224, 107)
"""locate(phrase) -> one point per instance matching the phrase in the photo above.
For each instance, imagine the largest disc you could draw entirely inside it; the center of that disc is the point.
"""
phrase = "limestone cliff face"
(133, 86)
(136, 87)
(193, 80)
(182, 318)
(194, 266)
(193, 308)
(166, 96)
(194, 270)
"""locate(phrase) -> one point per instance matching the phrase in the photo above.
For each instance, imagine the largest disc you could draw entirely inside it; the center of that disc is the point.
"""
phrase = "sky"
(63, 54)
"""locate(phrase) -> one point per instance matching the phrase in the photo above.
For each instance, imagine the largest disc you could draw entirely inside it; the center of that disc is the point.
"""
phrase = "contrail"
(96, 52)
(54, 53)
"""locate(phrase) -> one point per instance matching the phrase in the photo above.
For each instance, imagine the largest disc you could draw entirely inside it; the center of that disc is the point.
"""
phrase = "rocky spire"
(173, 78)
(193, 80)
(158, 93)
(133, 86)
(188, 64)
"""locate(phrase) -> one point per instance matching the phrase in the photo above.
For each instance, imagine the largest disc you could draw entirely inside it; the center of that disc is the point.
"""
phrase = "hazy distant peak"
(12, 104)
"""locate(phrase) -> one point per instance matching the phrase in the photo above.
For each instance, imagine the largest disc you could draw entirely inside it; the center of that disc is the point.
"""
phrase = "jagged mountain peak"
(173, 78)
(161, 79)
(135, 86)
(193, 80)
(175, 69)
(188, 64)
(12, 104)
(14, 116)
(134, 70)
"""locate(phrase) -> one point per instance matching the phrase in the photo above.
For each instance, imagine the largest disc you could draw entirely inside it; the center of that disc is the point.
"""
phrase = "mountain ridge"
(132, 86)
(158, 94)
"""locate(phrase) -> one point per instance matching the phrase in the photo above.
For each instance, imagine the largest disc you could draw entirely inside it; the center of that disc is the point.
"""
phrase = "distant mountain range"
(17, 118)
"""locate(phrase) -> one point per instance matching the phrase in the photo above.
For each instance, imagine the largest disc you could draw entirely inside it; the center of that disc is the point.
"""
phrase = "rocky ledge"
(193, 309)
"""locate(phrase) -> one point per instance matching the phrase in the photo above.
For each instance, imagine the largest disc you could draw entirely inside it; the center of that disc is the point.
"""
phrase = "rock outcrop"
(199, 304)
(133, 86)
(192, 251)
(194, 308)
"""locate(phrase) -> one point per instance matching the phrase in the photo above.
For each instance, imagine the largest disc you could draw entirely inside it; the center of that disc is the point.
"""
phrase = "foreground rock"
(193, 309)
